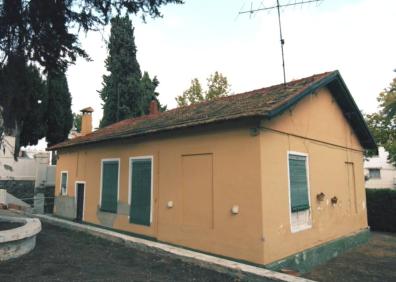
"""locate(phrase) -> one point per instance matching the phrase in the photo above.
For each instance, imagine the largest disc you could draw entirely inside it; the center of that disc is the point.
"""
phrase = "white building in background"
(380, 173)
(32, 165)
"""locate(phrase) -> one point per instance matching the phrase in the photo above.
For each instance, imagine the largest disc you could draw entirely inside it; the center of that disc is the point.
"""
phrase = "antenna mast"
(282, 40)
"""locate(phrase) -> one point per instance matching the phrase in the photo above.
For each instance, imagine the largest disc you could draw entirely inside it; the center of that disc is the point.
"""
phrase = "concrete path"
(207, 261)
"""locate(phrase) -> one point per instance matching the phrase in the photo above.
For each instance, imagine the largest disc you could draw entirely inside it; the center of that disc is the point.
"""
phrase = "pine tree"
(59, 115)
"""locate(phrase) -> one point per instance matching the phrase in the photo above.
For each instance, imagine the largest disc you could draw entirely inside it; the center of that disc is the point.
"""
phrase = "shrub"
(381, 209)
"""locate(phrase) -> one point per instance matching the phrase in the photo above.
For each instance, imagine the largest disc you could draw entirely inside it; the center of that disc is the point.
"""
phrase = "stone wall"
(22, 189)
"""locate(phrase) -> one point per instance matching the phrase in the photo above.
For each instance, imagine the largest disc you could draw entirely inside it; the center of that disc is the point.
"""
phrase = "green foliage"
(59, 116)
(192, 95)
(47, 31)
(217, 87)
(77, 119)
(381, 209)
(148, 92)
(121, 88)
(125, 93)
(23, 99)
(34, 126)
(383, 123)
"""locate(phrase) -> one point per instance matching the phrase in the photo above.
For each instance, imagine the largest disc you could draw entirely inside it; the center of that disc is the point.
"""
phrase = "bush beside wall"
(381, 209)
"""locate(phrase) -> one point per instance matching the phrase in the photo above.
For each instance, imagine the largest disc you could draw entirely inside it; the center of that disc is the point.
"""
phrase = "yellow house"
(273, 177)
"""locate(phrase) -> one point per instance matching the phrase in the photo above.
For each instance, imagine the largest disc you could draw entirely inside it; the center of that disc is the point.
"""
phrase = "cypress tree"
(59, 115)
(125, 93)
(148, 88)
(121, 92)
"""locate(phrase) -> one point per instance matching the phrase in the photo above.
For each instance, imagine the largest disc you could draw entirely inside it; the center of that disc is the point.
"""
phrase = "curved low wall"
(18, 241)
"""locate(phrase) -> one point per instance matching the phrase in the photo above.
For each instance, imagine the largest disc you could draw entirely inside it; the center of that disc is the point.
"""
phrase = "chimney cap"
(87, 110)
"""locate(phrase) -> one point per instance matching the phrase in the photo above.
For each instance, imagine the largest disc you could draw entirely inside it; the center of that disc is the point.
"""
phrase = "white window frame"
(130, 183)
(294, 216)
(75, 196)
(64, 193)
(101, 178)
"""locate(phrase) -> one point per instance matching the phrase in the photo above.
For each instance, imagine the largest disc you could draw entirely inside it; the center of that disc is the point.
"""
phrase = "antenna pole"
(282, 41)
(278, 6)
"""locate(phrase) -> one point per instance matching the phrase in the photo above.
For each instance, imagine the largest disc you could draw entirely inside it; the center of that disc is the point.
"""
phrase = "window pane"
(63, 182)
(375, 173)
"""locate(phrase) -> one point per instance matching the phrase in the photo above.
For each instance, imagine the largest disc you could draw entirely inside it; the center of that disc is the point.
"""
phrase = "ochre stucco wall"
(248, 171)
(235, 158)
(317, 128)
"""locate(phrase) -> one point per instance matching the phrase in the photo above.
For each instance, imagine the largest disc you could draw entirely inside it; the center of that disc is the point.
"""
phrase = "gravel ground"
(65, 255)
(374, 261)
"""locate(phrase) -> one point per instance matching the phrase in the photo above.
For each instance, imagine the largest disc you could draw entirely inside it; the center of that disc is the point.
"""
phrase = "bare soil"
(374, 261)
(65, 255)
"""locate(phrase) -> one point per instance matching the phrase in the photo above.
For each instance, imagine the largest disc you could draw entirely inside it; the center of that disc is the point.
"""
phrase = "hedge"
(381, 209)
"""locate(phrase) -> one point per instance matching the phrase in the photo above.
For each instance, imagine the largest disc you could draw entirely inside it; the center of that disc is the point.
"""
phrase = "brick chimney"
(154, 107)
(86, 121)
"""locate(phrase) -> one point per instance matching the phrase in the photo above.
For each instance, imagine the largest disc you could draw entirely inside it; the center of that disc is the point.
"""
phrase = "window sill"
(107, 211)
(295, 229)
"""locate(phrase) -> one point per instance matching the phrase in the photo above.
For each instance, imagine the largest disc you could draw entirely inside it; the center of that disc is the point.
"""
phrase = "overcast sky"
(202, 36)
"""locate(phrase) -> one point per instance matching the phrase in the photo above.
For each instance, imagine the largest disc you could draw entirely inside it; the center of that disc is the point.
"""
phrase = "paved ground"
(65, 255)
(375, 261)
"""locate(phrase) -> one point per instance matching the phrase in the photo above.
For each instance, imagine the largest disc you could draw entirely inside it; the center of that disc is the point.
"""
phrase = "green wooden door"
(109, 186)
(140, 210)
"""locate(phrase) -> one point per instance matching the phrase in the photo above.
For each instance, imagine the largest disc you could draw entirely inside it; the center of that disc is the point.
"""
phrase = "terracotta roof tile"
(258, 102)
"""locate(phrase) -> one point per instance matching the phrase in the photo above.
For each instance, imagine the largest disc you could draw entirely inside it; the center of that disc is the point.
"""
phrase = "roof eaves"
(369, 141)
(144, 132)
(309, 90)
(334, 76)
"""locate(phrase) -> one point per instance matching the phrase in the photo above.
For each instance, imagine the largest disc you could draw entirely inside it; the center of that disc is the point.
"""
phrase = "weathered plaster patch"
(106, 218)
(65, 206)
(123, 208)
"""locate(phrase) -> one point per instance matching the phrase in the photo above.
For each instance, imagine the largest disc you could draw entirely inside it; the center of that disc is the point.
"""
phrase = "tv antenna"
(278, 7)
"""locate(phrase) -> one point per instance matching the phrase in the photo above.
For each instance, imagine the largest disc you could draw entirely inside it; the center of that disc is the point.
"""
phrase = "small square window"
(374, 173)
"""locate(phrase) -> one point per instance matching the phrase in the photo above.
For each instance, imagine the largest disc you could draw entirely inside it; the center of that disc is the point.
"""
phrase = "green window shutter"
(298, 183)
(109, 186)
(140, 211)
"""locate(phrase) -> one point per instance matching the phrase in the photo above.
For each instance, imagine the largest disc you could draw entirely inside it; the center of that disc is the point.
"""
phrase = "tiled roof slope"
(264, 102)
